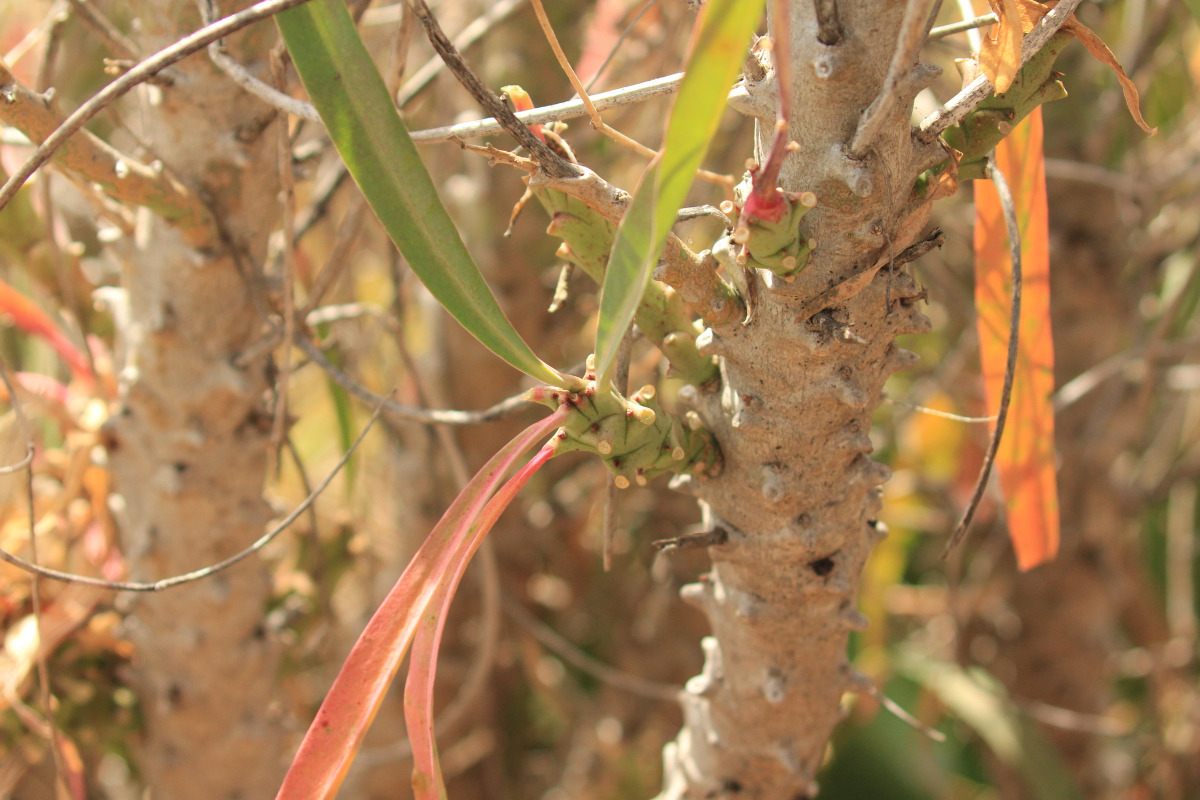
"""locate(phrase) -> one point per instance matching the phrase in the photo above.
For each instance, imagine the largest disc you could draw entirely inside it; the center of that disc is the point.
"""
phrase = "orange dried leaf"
(1000, 53)
(1025, 459)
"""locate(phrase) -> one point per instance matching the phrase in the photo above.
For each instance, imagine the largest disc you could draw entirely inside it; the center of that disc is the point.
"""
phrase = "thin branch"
(571, 109)
(138, 74)
(942, 31)
(1010, 367)
(322, 192)
(118, 42)
(213, 569)
(565, 65)
(465, 38)
(899, 713)
(973, 94)
(35, 587)
(620, 41)
(260, 89)
(428, 416)
(568, 652)
(287, 193)
(9, 469)
(935, 412)
(547, 159)
(913, 30)
(582, 92)
(88, 161)
(339, 256)
(967, 9)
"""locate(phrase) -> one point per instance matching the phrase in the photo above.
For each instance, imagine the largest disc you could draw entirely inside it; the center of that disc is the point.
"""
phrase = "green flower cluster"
(634, 436)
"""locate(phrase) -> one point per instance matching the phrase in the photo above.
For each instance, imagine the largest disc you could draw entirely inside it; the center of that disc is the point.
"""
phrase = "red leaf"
(1025, 459)
(30, 318)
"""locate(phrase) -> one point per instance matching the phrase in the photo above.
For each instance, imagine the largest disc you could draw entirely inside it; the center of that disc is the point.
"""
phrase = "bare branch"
(547, 159)
(118, 42)
(942, 31)
(568, 652)
(431, 416)
(140, 73)
(213, 569)
(465, 38)
(571, 109)
(913, 30)
(263, 91)
(90, 161)
(1010, 367)
(973, 94)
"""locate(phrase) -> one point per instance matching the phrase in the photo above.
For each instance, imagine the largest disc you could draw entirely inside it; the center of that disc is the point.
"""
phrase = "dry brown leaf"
(1000, 53)
(1099, 50)
(1032, 13)
(945, 183)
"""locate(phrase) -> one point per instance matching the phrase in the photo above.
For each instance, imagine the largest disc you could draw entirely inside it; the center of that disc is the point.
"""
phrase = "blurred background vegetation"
(1078, 679)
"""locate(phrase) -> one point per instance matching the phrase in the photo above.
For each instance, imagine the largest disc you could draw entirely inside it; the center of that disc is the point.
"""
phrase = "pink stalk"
(342, 722)
(422, 666)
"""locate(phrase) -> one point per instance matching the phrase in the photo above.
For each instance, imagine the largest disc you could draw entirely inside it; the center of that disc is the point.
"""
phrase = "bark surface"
(188, 446)
(799, 496)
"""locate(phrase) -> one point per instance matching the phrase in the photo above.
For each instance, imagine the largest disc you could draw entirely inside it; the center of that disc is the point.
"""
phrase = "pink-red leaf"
(338, 730)
(27, 316)
(1025, 459)
(418, 689)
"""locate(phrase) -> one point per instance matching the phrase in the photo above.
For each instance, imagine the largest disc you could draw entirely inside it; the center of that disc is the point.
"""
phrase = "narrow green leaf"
(983, 704)
(716, 53)
(369, 135)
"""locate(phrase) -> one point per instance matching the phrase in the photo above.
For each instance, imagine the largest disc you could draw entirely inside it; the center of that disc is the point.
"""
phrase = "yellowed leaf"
(1000, 53)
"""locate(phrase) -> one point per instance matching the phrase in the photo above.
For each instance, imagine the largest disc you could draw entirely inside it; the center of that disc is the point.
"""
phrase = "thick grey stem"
(188, 446)
(799, 495)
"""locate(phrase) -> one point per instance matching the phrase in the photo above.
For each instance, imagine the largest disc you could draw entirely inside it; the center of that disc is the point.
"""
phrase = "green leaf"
(717, 51)
(369, 135)
(982, 703)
